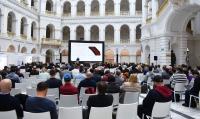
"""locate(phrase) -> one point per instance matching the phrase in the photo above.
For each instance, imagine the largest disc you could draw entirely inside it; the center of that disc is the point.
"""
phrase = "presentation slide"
(87, 51)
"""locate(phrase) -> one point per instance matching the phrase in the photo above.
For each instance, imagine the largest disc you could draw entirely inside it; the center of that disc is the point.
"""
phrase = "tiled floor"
(180, 112)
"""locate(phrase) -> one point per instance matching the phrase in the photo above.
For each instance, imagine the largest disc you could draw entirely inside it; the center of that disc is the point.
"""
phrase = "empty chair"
(52, 98)
(8, 114)
(84, 100)
(127, 111)
(29, 115)
(131, 97)
(31, 92)
(115, 98)
(21, 86)
(68, 100)
(159, 112)
(179, 88)
(15, 91)
(53, 91)
(101, 112)
(70, 113)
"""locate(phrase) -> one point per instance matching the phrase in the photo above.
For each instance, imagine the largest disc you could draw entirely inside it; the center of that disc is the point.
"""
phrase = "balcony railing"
(109, 13)
(109, 41)
(138, 13)
(66, 14)
(124, 13)
(81, 14)
(53, 42)
(95, 14)
(23, 36)
(50, 12)
(124, 41)
(11, 34)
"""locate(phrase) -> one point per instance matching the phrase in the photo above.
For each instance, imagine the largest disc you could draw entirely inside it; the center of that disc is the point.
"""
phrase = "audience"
(8, 102)
(13, 76)
(159, 93)
(53, 82)
(40, 103)
(132, 85)
(44, 75)
(68, 88)
(118, 78)
(112, 86)
(34, 71)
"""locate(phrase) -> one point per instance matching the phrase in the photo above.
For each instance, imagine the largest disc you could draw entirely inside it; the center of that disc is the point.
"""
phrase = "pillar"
(102, 34)
(164, 58)
(73, 10)
(117, 35)
(133, 35)
(72, 33)
(144, 11)
(102, 8)
(87, 34)
(87, 10)
(154, 9)
(132, 7)
(116, 8)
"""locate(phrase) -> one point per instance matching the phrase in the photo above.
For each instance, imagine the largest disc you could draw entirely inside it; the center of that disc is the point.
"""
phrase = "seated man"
(101, 99)
(53, 82)
(68, 88)
(40, 103)
(112, 86)
(8, 102)
(160, 93)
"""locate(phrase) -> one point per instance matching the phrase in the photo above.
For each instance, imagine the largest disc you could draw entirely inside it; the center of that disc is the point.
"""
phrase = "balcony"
(80, 14)
(24, 37)
(138, 13)
(66, 14)
(94, 13)
(109, 42)
(52, 42)
(125, 41)
(109, 13)
(11, 34)
(124, 13)
(50, 12)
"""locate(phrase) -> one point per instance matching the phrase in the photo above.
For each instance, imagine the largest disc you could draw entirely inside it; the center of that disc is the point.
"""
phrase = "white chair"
(70, 113)
(115, 98)
(159, 112)
(68, 101)
(52, 98)
(21, 86)
(53, 91)
(179, 88)
(15, 91)
(101, 112)
(131, 97)
(29, 115)
(84, 99)
(127, 111)
(8, 114)
(31, 92)
(140, 77)
(195, 97)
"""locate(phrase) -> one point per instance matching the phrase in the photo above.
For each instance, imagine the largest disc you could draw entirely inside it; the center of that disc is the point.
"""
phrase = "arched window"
(33, 51)
(125, 34)
(124, 7)
(94, 35)
(24, 50)
(67, 9)
(23, 30)
(109, 34)
(11, 48)
(138, 32)
(80, 8)
(33, 30)
(50, 31)
(49, 6)
(109, 8)
(11, 22)
(80, 33)
(138, 5)
(66, 33)
(95, 8)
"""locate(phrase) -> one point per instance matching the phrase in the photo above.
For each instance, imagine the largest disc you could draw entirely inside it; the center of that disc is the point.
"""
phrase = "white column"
(73, 10)
(144, 11)
(117, 8)
(102, 34)
(133, 35)
(28, 32)
(102, 8)
(17, 27)
(183, 50)
(164, 57)
(154, 9)
(117, 35)
(87, 34)
(132, 8)
(4, 23)
(72, 33)
(87, 10)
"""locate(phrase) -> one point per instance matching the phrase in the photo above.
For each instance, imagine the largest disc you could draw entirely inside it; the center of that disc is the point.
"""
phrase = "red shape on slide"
(95, 51)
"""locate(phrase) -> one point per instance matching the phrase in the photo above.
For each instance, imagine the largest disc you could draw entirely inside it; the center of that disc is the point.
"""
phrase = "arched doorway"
(49, 6)
(138, 32)
(109, 34)
(23, 28)
(24, 50)
(95, 8)
(33, 51)
(109, 56)
(33, 31)
(94, 33)
(80, 33)
(67, 9)
(11, 23)
(66, 34)
(124, 7)
(81, 8)
(147, 55)
(109, 8)
(11, 48)
(124, 56)
(50, 56)
(124, 34)
(65, 56)
(50, 31)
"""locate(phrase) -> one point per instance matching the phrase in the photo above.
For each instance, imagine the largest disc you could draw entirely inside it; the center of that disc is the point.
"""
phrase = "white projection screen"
(86, 51)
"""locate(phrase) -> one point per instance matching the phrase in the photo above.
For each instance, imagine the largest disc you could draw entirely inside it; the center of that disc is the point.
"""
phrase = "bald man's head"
(6, 86)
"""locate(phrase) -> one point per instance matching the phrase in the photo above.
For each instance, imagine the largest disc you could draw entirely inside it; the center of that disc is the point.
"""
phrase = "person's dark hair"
(52, 72)
(12, 69)
(107, 72)
(179, 70)
(111, 78)
(102, 87)
(42, 86)
(118, 72)
(157, 78)
(195, 72)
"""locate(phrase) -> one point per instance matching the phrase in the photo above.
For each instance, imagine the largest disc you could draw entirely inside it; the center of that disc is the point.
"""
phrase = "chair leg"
(174, 97)
(190, 101)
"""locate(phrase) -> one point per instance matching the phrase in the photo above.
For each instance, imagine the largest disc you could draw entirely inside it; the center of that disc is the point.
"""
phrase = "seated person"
(34, 71)
(13, 76)
(193, 91)
(40, 103)
(159, 93)
(101, 99)
(68, 88)
(53, 82)
(8, 102)
(112, 85)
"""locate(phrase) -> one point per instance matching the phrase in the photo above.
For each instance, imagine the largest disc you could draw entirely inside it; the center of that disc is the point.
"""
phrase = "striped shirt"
(178, 78)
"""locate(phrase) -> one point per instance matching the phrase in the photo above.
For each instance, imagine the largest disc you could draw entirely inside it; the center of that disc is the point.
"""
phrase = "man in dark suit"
(160, 93)
(8, 102)
(193, 91)
(53, 82)
(101, 99)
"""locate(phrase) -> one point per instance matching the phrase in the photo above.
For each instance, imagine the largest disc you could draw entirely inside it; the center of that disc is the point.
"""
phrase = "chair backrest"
(101, 112)
(53, 91)
(131, 97)
(29, 115)
(166, 81)
(70, 113)
(31, 92)
(8, 114)
(21, 86)
(179, 87)
(68, 100)
(115, 98)
(52, 98)
(82, 91)
(127, 111)
(15, 91)
(159, 112)
(140, 77)
(84, 99)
